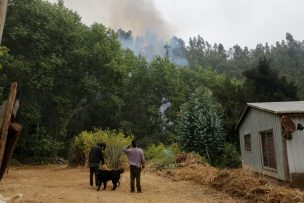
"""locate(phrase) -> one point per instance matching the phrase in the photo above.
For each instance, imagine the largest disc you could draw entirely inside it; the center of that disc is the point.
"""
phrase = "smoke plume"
(140, 26)
(140, 16)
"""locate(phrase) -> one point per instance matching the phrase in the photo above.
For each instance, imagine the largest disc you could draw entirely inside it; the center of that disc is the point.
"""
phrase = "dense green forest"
(73, 77)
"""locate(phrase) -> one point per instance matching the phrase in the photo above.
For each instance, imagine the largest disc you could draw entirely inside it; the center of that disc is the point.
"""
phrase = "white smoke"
(140, 16)
(149, 31)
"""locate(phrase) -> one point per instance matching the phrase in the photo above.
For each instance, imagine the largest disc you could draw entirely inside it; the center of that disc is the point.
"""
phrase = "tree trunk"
(3, 8)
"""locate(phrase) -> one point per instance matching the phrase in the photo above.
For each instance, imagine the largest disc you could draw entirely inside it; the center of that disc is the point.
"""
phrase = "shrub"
(162, 156)
(37, 147)
(83, 143)
(230, 157)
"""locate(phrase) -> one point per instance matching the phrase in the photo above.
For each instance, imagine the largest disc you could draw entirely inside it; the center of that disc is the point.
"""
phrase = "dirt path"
(62, 184)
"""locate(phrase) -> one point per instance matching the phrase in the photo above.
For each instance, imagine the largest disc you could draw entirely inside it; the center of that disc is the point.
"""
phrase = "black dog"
(105, 175)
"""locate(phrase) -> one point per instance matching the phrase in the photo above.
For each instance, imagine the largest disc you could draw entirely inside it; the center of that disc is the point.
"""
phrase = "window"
(268, 149)
(247, 139)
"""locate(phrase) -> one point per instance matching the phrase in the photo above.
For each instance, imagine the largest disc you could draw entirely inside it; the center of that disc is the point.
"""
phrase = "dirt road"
(62, 184)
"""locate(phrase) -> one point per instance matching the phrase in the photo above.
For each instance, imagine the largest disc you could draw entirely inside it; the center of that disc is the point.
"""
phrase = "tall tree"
(263, 84)
(230, 94)
(69, 75)
(200, 126)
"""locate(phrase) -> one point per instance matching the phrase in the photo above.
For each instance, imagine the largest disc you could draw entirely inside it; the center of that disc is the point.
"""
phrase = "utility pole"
(3, 8)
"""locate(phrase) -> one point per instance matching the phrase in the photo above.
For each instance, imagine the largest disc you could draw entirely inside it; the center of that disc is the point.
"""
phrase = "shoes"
(138, 191)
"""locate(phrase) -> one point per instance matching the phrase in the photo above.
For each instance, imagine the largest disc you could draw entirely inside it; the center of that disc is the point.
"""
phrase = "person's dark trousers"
(135, 175)
(92, 173)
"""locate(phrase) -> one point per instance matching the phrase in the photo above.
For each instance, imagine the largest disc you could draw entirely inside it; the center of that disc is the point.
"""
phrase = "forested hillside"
(73, 77)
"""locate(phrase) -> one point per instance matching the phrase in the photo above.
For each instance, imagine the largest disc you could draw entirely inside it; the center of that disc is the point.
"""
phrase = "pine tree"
(200, 126)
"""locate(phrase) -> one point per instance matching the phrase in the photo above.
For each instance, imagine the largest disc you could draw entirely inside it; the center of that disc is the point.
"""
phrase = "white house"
(268, 145)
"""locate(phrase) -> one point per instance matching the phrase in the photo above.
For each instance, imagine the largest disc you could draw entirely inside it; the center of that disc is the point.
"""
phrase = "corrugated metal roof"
(280, 107)
(274, 107)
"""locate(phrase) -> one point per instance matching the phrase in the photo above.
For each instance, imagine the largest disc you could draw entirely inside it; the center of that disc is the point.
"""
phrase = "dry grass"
(241, 183)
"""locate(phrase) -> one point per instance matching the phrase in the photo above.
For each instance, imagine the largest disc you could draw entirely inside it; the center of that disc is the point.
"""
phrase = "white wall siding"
(254, 122)
(295, 148)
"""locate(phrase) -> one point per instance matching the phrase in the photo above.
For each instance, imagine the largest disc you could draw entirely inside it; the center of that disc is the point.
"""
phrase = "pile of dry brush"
(241, 183)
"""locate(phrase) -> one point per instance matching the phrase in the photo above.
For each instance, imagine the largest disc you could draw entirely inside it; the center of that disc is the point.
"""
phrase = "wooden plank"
(285, 157)
(7, 119)
(15, 110)
(3, 9)
(2, 109)
(14, 113)
(13, 135)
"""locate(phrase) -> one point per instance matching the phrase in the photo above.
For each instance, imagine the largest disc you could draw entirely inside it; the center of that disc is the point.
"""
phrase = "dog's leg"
(104, 185)
(114, 184)
(118, 183)
(99, 184)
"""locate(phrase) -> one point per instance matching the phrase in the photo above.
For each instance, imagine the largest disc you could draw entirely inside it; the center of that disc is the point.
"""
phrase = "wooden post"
(3, 8)
(285, 156)
(7, 119)
(14, 131)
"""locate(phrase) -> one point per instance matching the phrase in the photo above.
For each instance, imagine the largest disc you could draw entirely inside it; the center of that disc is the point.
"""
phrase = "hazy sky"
(230, 22)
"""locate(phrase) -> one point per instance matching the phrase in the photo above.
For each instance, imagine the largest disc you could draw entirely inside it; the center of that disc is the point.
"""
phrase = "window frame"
(268, 151)
(247, 142)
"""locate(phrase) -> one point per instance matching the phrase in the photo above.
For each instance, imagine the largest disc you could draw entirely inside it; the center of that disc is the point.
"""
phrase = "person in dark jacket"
(95, 158)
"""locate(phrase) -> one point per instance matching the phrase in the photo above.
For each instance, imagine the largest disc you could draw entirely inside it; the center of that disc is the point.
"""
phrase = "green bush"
(83, 143)
(162, 156)
(230, 157)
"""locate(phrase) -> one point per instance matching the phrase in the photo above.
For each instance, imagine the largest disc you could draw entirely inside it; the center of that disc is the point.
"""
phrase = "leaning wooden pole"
(6, 120)
(3, 8)
(13, 135)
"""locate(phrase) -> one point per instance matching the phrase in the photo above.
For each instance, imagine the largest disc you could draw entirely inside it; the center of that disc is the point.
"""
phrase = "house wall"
(295, 153)
(295, 148)
(254, 122)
